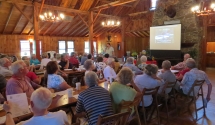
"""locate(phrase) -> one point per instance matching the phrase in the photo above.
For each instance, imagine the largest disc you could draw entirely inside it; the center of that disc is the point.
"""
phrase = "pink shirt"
(31, 75)
(16, 86)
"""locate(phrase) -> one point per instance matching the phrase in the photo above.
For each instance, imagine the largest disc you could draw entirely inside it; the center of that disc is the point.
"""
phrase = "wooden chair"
(153, 92)
(192, 97)
(125, 105)
(168, 96)
(76, 77)
(116, 119)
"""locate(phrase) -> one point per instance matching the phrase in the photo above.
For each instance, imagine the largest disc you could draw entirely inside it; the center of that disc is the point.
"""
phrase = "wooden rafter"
(77, 29)
(30, 30)
(41, 7)
(83, 20)
(48, 29)
(94, 20)
(17, 22)
(116, 3)
(42, 27)
(23, 13)
(63, 27)
(56, 28)
(25, 26)
(72, 26)
(8, 18)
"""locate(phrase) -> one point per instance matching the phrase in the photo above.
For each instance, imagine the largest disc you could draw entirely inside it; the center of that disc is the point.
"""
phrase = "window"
(25, 48)
(34, 47)
(153, 4)
(70, 46)
(62, 47)
(87, 47)
(94, 45)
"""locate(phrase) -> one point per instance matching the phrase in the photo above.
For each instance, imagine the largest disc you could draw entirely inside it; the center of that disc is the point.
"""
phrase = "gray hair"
(44, 55)
(110, 60)
(16, 66)
(143, 59)
(87, 64)
(91, 78)
(151, 69)
(42, 98)
(166, 64)
(2, 61)
(130, 60)
(125, 76)
(73, 53)
(58, 56)
(191, 63)
(63, 55)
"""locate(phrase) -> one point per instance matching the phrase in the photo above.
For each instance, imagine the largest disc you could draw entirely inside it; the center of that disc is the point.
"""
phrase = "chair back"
(151, 91)
(116, 119)
(195, 87)
(126, 105)
(168, 85)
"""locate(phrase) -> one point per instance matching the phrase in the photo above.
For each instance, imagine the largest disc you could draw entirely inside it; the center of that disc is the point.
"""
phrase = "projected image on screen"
(164, 35)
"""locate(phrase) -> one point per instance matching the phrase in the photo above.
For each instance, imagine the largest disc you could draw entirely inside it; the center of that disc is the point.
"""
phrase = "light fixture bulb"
(103, 23)
(62, 16)
(118, 23)
(112, 22)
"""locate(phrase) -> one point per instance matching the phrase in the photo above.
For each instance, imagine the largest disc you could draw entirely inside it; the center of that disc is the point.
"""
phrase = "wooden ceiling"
(17, 16)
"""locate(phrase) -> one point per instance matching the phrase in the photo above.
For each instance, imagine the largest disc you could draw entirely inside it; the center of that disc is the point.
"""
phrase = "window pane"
(70, 44)
(62, 45)
(86, 50)
(62, 51)
(94, 45)
(86, 45)
(153, 3)
(25, 48)
(70, 50)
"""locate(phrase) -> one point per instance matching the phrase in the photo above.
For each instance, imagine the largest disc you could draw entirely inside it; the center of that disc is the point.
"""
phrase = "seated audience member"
(116, 65)
(19, 82)
(143, 64)
(83, 58)
(181, 73)
(89, 56)
(166, 73)
(149, 80)
(64, 63)
(100, 65)
(31, 75)
(40, 100)
(73, 59)
(109, 71)
(106, 56)
(93, 101)
(45, 60)
(34, 60)
(190, 77)
(54, 57)
(120, 90)
(5, 67)
(181, 65)
(130, 64)
(25, 58)
(58, 58)
(3, 82)
(55, 81)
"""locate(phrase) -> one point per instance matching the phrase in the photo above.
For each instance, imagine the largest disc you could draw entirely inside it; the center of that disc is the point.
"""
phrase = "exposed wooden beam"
(56, 28)
(76, 29)
(42, 27)
(30, 30)
(41, 7)
(8, 18)
(94, 20)
(90, 22)
(83, 20)
(62, 28)
(138, 13)
(48, 29)
(17, 22)
(112, 4)
(25, 26)
(23, 13)
(36, 31)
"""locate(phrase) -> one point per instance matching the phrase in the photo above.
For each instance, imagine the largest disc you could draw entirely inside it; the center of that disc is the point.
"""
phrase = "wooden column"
(36, 31)
(203, 45)
(123, 37)
(90, 25)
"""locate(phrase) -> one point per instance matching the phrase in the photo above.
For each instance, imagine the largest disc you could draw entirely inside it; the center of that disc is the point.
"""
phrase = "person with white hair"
(40, 100)
(19, 82)
(181, 65)
(93, 101)
(4, 67)
(190, 77)
(143, 64)
(83, 58)
(130, 64)
(109, 72)
(64, 63)
(45, 60)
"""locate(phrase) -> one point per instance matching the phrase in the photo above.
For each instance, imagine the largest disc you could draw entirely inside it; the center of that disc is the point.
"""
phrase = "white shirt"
(109, 51)
(5, 72)
(52, 118)
(54, 81)
(109, 72)
(44, 62)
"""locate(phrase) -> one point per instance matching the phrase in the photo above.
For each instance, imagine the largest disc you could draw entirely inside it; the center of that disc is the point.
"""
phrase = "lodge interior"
(20, 21)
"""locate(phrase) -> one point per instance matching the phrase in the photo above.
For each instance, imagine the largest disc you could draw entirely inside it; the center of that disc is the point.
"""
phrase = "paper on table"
(19, 104)
(2, 119)
(65, 92)
(75, 96)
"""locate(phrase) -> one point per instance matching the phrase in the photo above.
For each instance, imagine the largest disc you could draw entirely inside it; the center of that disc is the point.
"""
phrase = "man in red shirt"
(73, 60)
(181, 73)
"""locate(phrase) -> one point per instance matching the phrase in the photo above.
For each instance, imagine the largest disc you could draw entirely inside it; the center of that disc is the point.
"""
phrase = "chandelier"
(204, 10)
(51, 16)
(110, 21)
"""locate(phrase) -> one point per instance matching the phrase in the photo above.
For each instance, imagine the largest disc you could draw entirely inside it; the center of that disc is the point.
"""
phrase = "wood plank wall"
(211, 34)
(131, 43)
(10, 44)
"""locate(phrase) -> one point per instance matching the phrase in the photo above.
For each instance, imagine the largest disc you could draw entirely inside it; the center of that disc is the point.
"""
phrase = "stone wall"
(191, 28)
